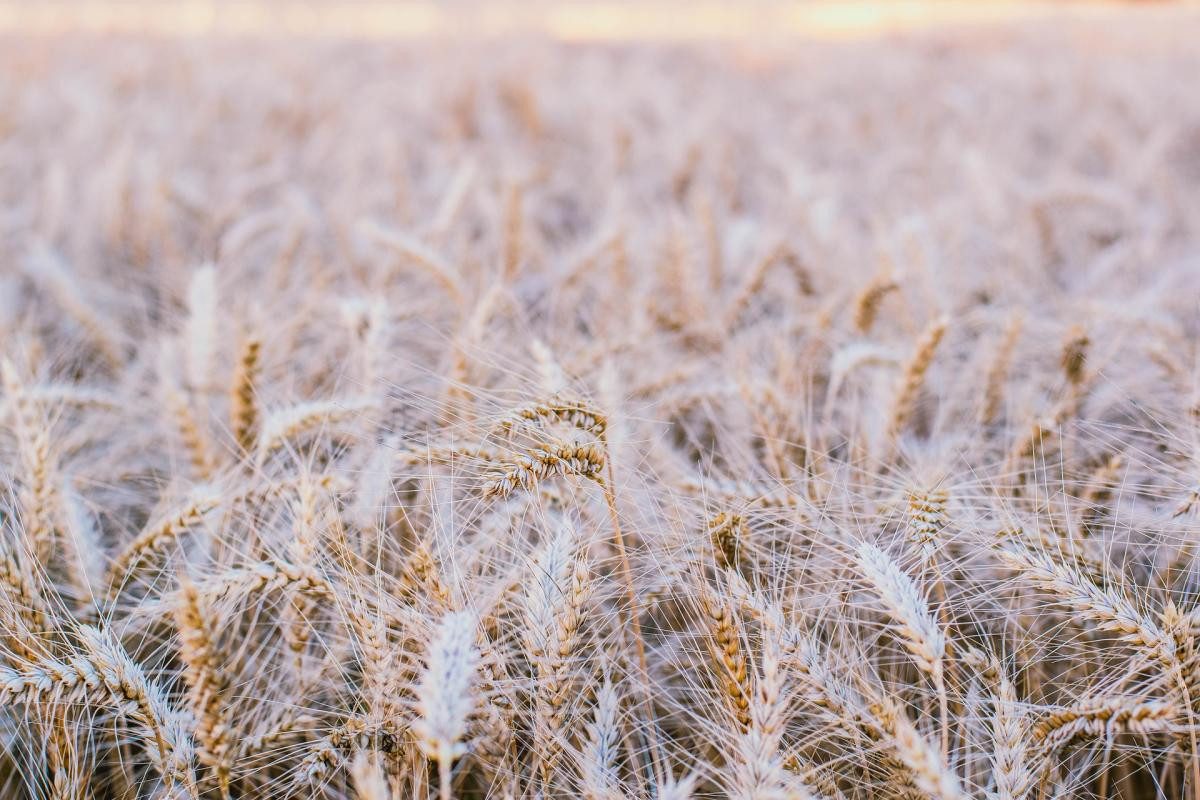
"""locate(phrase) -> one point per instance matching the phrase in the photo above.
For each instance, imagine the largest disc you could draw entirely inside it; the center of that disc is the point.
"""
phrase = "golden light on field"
(659, 20)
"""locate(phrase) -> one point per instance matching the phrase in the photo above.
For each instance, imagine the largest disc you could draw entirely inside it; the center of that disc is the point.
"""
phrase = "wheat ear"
(421, 578)
(422, 256)
(601, 748)
(729, 659)
(297, 615)
(1099, 718)
(368, 777)
(263, 578)
(446, 694)
(1009, 757)
(1074, 355)
(206, 681)
(191, 435)
(753, 282)
(24, 608)
(170, 745)
(929, 771)
(554, 607)
(997, 372)
(560, 408)
(903, 602)
(285, 423)
(37, 497)
(727, 532)
(913, 377)
(244, 398)
(759, 771)
(913, 620)
(161, 535)
(1106, 609)
(527, 470)
(866, 305)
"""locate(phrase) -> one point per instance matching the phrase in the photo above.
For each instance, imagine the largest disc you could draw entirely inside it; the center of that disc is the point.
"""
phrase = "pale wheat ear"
(598, 758)
(554, 605)
(370, 782)
(200, 333)
(169, 743)
(446, 694)
(904, 603)
(760, 766)
(1106, 608)
(279, 425)
(678, 789)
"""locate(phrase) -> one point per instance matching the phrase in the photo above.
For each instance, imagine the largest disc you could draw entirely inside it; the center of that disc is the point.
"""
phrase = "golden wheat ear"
(243, 407)
(208, 685)
(913, 377)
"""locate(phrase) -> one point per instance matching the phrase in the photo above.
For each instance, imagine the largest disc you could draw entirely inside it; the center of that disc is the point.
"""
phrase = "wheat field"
(520, 419)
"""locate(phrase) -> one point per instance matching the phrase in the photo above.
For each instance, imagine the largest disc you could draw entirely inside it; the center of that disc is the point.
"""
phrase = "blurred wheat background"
(601, 400)
(580, 19)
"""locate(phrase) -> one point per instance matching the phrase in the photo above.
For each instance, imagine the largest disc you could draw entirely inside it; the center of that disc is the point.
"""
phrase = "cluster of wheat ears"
(532, 421)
